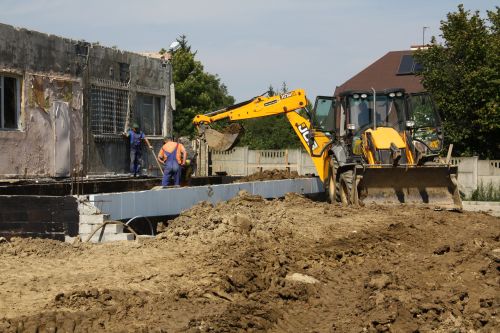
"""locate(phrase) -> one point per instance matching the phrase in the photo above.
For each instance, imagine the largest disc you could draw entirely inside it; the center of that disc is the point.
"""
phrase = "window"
(150, 114)
(324, 113)
(10, 102)
(389, 111)
(108, 107)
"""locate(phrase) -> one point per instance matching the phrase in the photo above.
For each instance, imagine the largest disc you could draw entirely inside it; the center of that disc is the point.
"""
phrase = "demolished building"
(64, 105)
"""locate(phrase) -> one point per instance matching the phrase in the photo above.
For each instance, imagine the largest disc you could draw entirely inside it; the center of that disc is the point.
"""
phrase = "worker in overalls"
(173, 155)
(136, 137)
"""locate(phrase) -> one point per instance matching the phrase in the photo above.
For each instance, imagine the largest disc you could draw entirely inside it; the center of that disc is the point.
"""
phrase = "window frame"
(17, 112)
(157, 107)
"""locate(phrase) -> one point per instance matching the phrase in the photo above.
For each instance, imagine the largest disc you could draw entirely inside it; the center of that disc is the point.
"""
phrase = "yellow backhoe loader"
(367, 146)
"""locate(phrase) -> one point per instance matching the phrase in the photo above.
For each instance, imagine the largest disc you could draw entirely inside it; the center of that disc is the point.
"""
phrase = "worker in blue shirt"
(136, 137)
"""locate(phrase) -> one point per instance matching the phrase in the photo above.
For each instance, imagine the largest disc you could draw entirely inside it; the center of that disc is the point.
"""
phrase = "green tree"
(196, 91)
(463, 75)
(273, 132)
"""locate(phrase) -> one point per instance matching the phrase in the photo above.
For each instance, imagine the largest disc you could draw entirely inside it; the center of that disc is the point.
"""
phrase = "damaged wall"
(46, 72)
(126, 78)
(74, 101)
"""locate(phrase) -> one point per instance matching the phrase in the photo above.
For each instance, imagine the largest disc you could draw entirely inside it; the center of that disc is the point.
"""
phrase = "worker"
(173, 155)
(136, 137)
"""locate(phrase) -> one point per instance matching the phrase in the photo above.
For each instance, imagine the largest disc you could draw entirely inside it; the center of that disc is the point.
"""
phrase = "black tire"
(345, 187)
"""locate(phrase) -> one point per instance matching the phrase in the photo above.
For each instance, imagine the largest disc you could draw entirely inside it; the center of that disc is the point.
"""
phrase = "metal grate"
(108, 107)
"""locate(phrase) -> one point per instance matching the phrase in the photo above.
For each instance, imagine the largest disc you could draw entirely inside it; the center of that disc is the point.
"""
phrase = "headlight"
(410, 124)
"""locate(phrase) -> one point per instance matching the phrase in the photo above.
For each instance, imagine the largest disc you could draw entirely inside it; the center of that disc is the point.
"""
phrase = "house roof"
(382, 74)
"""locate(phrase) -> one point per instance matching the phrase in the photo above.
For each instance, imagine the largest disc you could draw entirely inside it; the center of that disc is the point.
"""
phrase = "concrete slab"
(172, 201)
(490, 207)
(109, 229)
(108, 237)
(93, 219)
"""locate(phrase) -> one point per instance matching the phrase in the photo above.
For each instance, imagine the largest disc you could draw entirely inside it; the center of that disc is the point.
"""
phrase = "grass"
(489, 192)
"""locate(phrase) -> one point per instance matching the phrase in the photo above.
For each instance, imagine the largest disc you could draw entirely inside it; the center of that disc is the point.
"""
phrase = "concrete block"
(87, 208)
(172, 201)
(93, 219)
(108, 237)
(87, 228)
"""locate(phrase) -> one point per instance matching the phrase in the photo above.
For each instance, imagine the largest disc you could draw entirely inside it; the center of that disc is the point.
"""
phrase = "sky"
(311, 44)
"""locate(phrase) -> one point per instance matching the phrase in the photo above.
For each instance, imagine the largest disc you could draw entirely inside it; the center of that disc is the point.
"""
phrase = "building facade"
(64, 105)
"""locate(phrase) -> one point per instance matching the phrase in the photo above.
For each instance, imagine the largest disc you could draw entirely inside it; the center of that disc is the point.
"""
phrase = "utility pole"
(423, 36)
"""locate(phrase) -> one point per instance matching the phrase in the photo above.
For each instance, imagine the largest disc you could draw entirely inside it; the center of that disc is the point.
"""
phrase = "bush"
(489, 192)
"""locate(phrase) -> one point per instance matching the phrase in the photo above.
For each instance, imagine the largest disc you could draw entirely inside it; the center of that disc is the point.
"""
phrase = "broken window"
(108, 107)
(150, 114)
(10, 102)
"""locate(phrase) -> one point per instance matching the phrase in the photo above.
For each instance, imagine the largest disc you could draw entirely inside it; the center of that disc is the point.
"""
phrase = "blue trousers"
(135, 160)
(172, 170)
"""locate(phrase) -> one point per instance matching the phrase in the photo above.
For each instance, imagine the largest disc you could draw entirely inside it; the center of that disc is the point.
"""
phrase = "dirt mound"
(248, 264)
(270, 175)
(25, 247)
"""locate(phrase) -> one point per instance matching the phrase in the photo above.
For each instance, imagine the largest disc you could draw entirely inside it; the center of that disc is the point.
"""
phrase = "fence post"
(475, 171)
(245, 160)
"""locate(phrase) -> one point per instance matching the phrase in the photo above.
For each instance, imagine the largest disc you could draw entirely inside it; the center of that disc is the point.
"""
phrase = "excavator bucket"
(435, 186)
(223, 140)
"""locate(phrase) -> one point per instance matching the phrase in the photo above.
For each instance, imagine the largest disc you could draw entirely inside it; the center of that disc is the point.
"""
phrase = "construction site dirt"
(255, 265)
(269, 175)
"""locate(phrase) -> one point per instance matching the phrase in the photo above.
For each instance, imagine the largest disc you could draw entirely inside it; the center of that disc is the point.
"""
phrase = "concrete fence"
(472, 172)
(241, 161)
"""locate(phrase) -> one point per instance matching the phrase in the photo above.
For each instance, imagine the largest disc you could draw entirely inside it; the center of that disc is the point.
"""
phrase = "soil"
(233, 128)
(269, 175)
(252, 265)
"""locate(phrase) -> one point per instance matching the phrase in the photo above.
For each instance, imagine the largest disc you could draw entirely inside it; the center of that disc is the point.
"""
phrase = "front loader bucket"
(435, 186)
(222, 140)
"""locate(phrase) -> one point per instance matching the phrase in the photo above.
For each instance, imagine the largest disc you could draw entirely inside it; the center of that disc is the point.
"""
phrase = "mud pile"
(270, 175)
(248, 264)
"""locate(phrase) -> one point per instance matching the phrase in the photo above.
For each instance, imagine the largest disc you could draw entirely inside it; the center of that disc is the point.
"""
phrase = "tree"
(196, 91)
(463, 75)
(273, 132)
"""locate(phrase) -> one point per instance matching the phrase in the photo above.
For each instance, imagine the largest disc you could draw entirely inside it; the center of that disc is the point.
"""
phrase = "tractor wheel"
(345, 187)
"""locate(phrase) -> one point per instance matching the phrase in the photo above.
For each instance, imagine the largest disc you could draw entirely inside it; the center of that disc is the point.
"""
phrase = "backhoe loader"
(367, 146)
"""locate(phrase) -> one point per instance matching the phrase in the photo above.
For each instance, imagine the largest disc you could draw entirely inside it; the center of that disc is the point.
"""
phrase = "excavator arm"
(262, 106)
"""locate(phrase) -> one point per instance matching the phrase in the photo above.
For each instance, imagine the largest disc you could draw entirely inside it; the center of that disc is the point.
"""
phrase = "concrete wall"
(472, 172)
(56, 74)
(38, 216)
(240, 161)
(47, 73)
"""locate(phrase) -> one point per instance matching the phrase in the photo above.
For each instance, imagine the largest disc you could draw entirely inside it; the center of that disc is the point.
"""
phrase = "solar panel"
(417, 67)
(406, 65)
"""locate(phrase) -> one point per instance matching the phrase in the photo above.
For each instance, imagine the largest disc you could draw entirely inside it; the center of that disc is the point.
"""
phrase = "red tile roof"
(382, 75)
